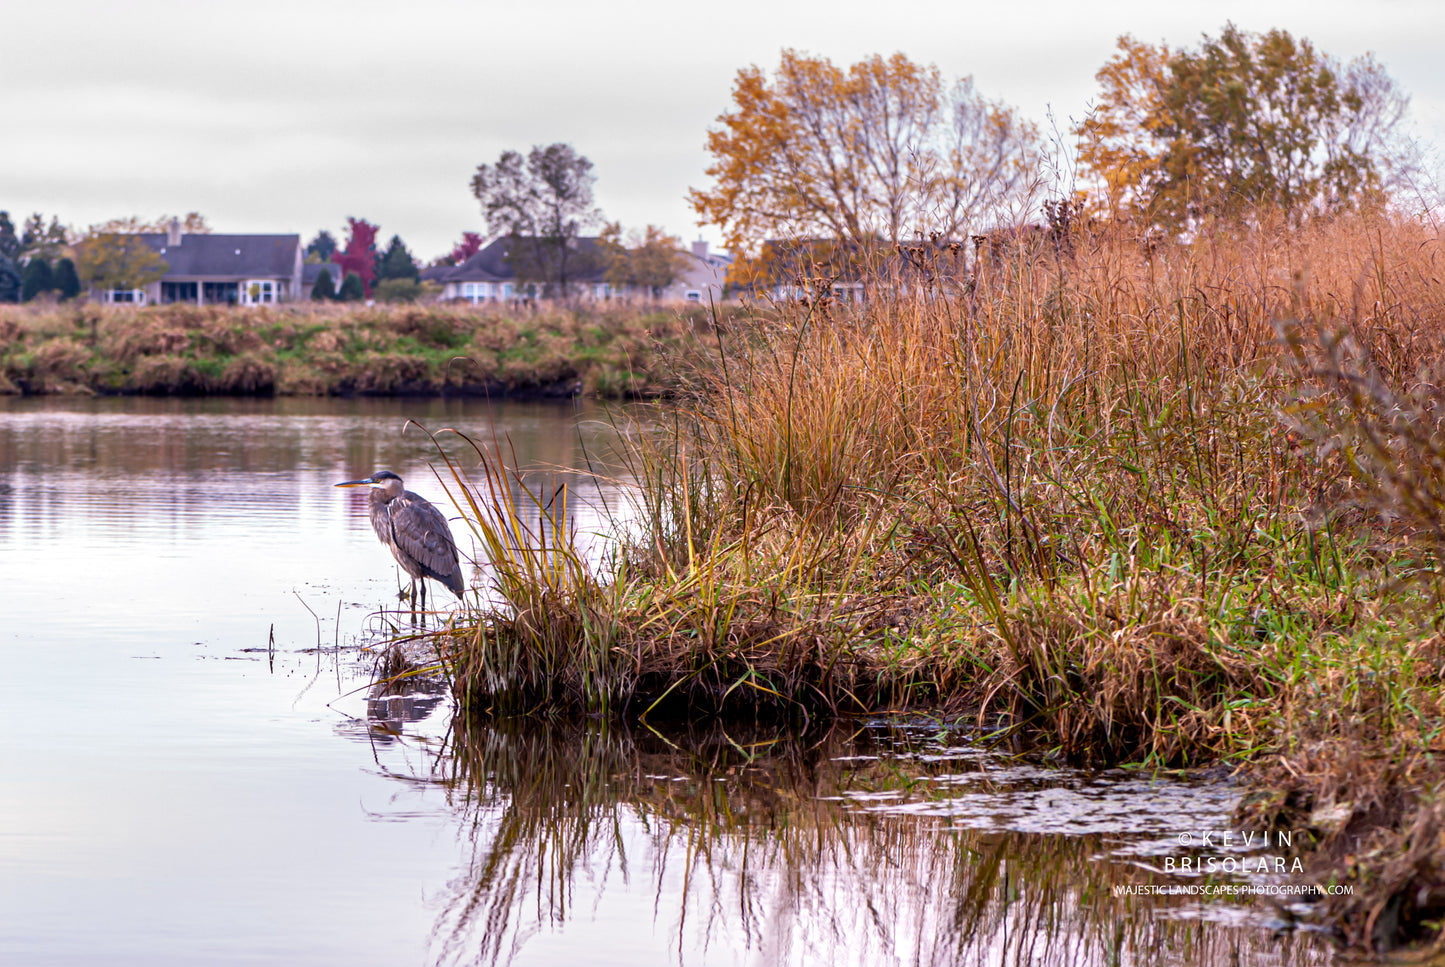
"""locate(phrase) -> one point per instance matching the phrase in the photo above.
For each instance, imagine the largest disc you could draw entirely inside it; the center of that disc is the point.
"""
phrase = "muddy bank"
(182, 350)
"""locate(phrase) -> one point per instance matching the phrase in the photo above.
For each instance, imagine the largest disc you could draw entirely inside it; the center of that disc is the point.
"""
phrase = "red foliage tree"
(470, 245)
(359, 256)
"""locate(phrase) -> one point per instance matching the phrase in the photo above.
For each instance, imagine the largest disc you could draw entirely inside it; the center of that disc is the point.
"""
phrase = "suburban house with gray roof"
(488, 276)
(482, 277)
(703, 277)
(246, 270)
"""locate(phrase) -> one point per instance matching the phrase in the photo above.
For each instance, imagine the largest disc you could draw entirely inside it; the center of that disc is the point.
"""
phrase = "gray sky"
(289, 115)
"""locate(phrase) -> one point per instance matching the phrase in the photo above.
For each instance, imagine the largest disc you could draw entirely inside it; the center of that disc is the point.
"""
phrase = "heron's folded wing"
(421, 532)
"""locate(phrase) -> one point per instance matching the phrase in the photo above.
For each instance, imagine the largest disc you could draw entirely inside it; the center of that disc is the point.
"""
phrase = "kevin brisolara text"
(1205, 863)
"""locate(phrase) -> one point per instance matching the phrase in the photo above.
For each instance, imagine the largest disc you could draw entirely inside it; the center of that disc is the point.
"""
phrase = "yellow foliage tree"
(1245, 123)
(650, 260)
(116, 260)
(192, 223)
(883, 149)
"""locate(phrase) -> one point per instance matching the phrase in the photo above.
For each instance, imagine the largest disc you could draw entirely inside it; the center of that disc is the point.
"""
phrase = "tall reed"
(1166, 504)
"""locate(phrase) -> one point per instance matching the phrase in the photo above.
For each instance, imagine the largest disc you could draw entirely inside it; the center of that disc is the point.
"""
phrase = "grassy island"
(618, 351)
(1162, 505)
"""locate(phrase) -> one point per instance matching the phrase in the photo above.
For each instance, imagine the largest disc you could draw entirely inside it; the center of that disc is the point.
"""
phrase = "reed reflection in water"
(758, 847)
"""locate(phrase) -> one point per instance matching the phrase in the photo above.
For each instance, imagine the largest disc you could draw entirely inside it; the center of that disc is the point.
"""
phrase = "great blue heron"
(414, 531)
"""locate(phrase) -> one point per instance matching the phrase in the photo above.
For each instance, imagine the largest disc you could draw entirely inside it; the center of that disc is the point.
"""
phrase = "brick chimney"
(699, 248)
(173, 233)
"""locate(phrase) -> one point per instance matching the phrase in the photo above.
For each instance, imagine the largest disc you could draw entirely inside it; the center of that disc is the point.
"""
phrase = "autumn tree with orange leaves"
(882, 150)
(1246, 123)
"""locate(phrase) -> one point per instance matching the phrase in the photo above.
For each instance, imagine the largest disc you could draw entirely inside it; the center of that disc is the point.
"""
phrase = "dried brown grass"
(344, 350)
(1173, 504)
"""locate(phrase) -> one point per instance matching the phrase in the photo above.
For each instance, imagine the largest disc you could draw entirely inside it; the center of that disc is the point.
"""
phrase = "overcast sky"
(289, 115)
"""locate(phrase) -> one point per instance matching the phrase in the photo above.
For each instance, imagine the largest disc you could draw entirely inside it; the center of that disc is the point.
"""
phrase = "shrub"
(325, 288)
(352, 288)
(399, 290)
(65, 280)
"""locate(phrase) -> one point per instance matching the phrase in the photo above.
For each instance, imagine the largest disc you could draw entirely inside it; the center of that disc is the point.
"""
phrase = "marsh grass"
(619, 351)
(560, 631)
(1168, 505)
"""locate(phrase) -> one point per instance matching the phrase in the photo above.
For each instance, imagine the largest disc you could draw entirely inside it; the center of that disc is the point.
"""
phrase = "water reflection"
(116, 438)
(191, 774)
(194, 775)
(388, 713)
(759, 847)
(244, 488)
(176, 464)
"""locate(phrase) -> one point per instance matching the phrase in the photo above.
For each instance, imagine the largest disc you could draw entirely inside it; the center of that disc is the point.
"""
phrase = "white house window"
(131, 296)
(258, 292)
(693, 295)
(507, 290)
(475, 292)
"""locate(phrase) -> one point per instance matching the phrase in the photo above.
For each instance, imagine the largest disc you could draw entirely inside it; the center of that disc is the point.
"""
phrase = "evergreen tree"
(352, 288)
(65, 280)
(37, 279)
(38, 240)
(9, 280)
(9, 241)
(324, 288)
(396, 262)
(322, 247)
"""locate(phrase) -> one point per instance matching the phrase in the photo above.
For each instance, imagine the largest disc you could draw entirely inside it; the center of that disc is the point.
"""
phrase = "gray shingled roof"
(240, 256)
(490, 265)
(311, 271)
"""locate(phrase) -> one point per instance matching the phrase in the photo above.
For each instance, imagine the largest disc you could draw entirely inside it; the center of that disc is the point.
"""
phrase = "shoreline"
(608, 351)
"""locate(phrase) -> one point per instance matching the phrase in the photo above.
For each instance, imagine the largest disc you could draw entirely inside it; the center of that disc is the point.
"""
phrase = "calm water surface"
(176, 790)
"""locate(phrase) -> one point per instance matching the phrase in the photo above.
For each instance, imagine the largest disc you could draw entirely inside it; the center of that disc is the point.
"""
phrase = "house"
(703, 278)
(849, 271)
(482, 277)
(245, 270)
(488, 276)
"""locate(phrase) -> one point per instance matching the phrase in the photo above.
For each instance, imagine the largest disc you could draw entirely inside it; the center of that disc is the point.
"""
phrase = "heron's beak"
(358, 483)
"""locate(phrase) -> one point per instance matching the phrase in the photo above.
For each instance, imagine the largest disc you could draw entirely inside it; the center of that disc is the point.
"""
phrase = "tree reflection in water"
(833, 848)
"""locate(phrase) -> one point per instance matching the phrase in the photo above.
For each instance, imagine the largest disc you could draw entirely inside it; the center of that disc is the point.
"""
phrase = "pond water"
(193, 771)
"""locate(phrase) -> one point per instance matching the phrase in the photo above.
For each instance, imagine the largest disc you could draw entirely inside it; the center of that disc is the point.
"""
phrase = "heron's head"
(384, 479)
